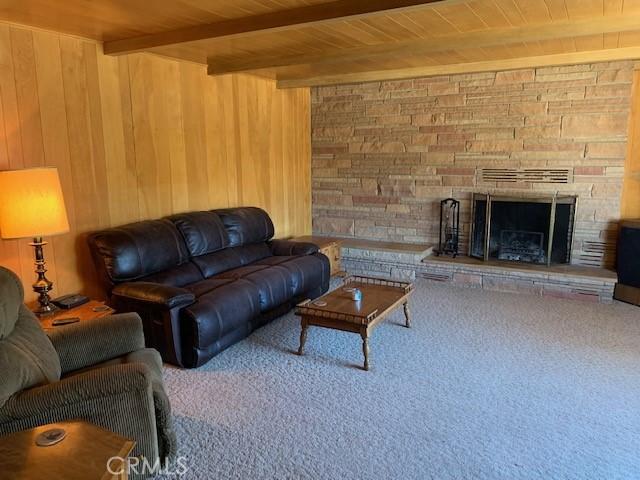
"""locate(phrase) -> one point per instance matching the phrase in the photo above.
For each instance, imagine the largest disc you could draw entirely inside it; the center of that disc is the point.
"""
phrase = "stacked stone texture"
(386, 153)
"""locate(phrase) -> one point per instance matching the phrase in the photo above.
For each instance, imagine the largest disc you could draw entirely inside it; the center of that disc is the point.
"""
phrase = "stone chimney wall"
(386, 153)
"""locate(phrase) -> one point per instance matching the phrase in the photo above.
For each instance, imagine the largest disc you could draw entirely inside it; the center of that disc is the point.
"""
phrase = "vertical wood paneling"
(9, 100)
(10, 146)
(139, 137)
(53, 117)
(26, 86)
(119, 151)
(192, 86)
(630, 205)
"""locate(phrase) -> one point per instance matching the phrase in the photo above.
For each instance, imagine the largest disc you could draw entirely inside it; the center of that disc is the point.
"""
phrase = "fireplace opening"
(518, 229)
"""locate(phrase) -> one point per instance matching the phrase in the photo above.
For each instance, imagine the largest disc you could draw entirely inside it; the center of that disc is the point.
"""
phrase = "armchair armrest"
(87, 343)
(289, 247)
(116, 397)
(155, 294)
(70, 392)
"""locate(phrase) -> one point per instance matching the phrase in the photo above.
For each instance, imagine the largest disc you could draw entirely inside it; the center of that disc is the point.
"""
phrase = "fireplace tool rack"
(449, 235)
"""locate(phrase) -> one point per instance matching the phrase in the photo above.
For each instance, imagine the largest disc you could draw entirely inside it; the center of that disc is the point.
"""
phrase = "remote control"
(65, 321)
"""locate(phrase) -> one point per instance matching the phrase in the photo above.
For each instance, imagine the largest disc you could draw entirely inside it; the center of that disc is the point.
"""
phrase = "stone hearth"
(594, 284)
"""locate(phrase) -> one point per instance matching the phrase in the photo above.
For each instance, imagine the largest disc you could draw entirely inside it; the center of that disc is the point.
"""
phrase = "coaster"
(320, 303)
(101, 308)
(50, 437)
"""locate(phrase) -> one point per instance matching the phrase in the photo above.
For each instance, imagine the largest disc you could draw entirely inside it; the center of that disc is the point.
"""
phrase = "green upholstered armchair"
(98, 371)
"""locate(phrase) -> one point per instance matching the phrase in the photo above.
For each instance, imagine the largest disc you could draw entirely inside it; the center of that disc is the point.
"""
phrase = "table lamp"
(32, 206)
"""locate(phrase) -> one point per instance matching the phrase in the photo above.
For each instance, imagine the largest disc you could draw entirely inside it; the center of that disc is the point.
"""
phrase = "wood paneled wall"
(139, 137)
(630, 207)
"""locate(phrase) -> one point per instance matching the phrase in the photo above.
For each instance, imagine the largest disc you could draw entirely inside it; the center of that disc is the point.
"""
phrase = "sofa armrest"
(289, 247)
(160, 308)
(88, 343)
(154, 293)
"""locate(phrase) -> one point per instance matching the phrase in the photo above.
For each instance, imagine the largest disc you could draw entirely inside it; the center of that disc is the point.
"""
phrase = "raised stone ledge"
(561, 281)
(394, 257)
(573, 282)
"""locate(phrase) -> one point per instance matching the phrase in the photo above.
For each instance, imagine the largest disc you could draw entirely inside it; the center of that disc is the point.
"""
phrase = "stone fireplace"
(384, 154)
(523, 229)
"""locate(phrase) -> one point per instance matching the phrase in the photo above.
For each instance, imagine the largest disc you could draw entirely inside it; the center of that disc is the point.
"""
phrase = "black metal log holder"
(449, 227)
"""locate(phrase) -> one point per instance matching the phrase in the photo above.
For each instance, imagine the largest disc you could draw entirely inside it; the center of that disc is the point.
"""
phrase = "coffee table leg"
(303, 337)
(407, 315)
(365, 348)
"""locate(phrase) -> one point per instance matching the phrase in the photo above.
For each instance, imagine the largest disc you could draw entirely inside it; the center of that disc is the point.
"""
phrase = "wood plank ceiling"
(316, 42)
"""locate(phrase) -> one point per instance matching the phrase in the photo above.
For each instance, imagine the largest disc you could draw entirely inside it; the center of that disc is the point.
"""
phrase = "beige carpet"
(484, 386)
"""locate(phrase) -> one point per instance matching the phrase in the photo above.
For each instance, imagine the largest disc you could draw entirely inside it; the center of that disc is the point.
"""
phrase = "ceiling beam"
(486, 38)
(573, 58)
(334, 11)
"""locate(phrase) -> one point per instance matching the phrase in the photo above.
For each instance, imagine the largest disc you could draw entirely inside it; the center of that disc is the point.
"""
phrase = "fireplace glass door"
(531, 230)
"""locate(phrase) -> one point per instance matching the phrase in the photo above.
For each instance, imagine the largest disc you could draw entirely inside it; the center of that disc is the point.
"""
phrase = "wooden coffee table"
(379, 298)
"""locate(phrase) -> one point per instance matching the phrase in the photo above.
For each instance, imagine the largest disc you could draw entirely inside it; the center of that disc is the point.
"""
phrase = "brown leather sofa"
(202, 281)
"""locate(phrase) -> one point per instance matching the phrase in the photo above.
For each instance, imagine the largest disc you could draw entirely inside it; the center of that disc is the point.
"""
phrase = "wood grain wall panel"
(150, 79)
(119, 153)
(26, 86)
(220, 146)
(630, 206)
(137, 137)
(192, 87)
(55, 138)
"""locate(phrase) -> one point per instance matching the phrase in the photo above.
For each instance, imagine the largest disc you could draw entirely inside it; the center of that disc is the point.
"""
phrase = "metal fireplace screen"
(522, 229)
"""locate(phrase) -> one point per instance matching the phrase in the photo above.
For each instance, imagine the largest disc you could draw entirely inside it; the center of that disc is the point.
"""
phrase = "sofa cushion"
(241, 272)
(179, 276)
(274, 285)
(203, 232)
(216, 262)
(205, 286)
(252, 253)
(139, 249)
(216, 313)
(307, 272)
(246, 225)
(274, 260)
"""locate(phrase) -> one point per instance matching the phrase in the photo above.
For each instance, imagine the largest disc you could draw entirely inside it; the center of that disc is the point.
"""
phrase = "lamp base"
(42, 285)
(44, 310)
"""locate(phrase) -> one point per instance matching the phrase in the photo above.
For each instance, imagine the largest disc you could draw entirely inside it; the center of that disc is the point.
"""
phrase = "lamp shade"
(31, 203)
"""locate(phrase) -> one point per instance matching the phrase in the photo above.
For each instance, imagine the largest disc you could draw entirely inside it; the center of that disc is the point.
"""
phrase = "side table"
(329, 247)
(86, 452)
(89, 311)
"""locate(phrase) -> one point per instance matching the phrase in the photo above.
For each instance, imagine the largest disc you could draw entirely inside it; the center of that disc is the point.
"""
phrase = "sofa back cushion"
(246, 225)
(207, 241)
(134, 251)
(27, 357)
(203, 232)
